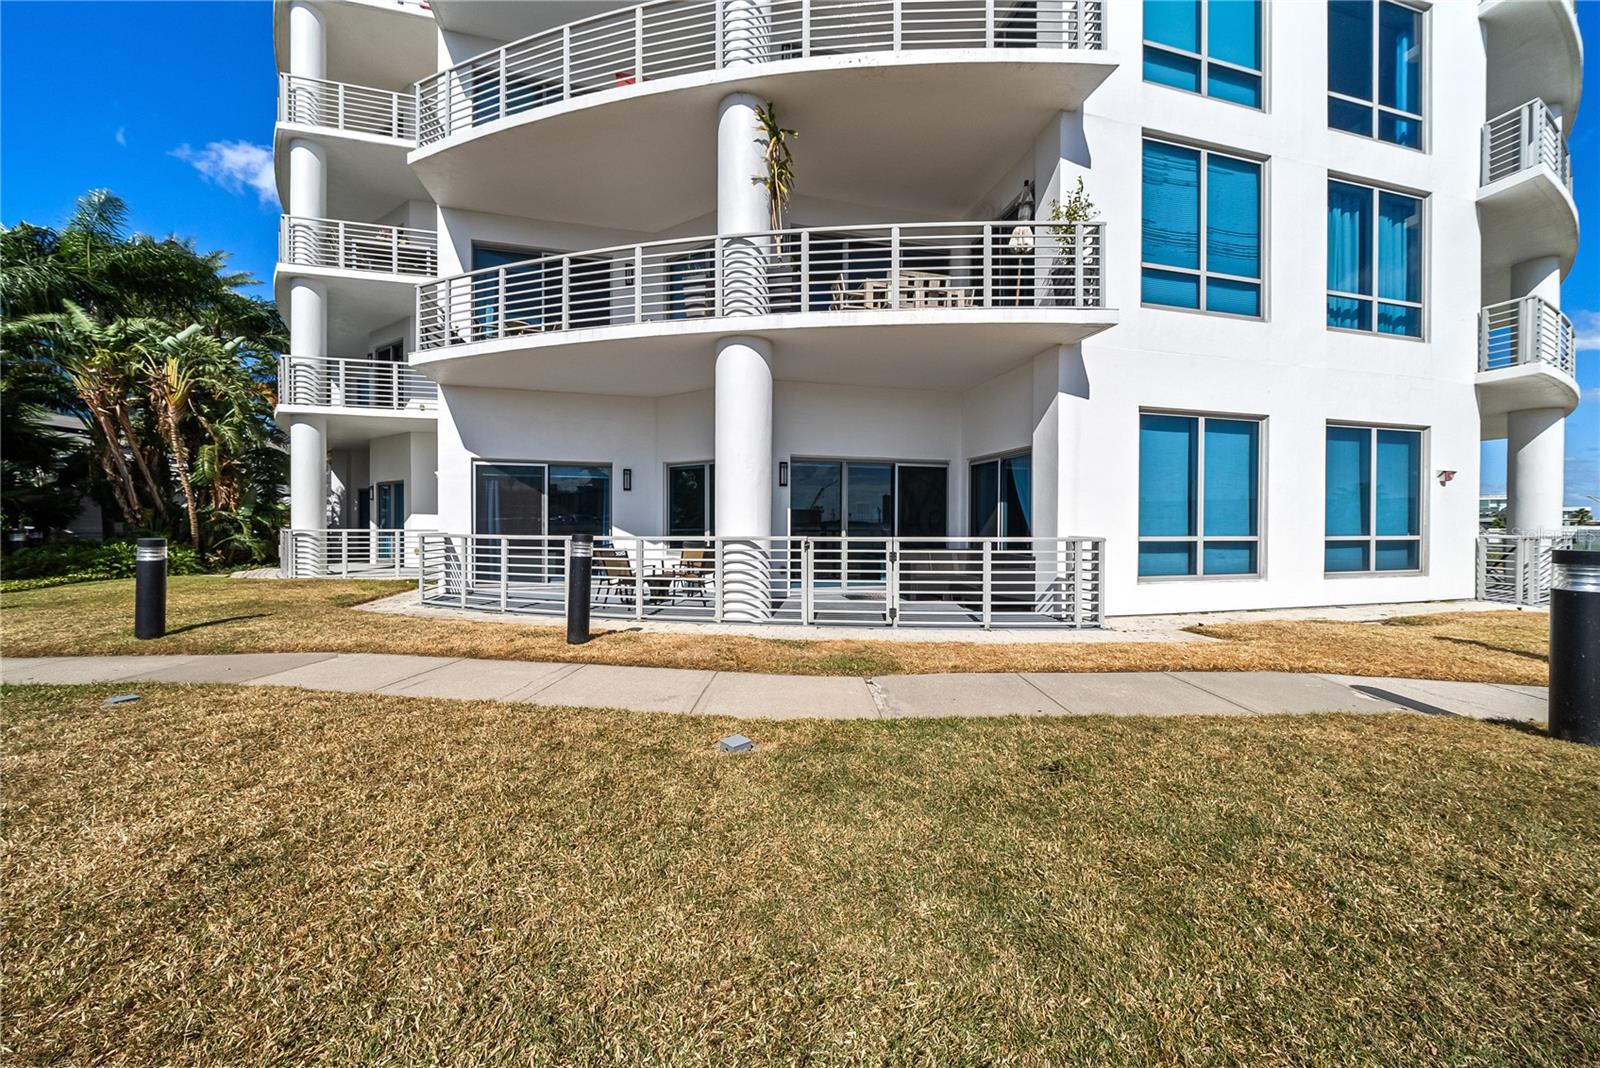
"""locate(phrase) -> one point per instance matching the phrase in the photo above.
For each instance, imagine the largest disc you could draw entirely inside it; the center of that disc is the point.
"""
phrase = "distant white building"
(534, 289)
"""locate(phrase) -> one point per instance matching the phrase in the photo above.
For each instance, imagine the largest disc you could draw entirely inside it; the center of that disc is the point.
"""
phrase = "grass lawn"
(210, 614)
(218, 875)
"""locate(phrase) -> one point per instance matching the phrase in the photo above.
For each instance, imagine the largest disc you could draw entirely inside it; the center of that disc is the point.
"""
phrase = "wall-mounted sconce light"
(783, 472)
(627, 479)
(1446, 476)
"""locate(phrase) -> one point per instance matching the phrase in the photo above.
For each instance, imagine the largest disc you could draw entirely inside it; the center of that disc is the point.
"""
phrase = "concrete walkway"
(724, 693)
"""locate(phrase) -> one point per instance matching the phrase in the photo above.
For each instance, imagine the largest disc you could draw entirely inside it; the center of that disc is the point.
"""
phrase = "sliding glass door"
(1001, 501)
(530, 501)
(864, 499)
(691, 501)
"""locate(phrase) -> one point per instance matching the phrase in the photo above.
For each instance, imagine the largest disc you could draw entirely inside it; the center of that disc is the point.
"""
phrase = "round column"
(1535, 468)
(308, 41)
(308, 179)
(308, 467)
(744, 476)
(1538, 278)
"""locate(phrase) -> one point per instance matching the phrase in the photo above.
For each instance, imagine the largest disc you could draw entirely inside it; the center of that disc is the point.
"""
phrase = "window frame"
(1205, 59)
(709, 493)
(998, 459)
(1424, 243)
(1372, 539)
(544, 520)
(1199, 538)
(1202, 273)
(1424, 78)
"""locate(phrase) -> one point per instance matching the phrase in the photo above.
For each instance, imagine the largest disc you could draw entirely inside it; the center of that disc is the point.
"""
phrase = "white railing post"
(896, 14)
(805, 271)
(805, 28)
(638, 283)
(988, 582)
(638, 45)
(505, 571)
(807, 576)
(894, 267)
(638, 580)
(988, 23)
(566, 63)
(988, 263)
(566, 292)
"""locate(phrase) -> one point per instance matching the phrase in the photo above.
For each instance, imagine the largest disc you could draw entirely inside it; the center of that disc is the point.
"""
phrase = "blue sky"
(84, 103)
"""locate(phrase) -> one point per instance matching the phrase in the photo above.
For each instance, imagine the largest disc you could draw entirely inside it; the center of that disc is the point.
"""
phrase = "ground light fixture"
(735, 743)
(150, 588)
(1575, 645)
(580, 574)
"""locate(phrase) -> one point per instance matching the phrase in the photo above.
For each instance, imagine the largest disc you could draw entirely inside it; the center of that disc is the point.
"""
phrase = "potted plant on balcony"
(1072, 253)
(777, 178)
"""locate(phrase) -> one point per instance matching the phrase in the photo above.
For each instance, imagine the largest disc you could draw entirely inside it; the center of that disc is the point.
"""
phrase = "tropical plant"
(154, 347)
(778, 179)
(1076, 208)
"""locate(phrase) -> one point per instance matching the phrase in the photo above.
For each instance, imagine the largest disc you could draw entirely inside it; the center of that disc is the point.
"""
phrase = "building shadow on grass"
(1493, 648)
(213, 623)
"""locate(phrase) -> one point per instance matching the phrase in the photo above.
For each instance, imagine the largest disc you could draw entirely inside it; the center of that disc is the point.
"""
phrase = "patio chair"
(613, 570)
(846, 299)
(694, 568)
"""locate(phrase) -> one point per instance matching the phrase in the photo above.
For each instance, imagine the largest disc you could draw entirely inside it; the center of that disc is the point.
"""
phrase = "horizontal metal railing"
(869, 582)
(1523, 138)
(911, 267)
(353, 108)
(1516, 567)
(674, 38)
(349, 552)
(1527, 330)
(320, 381)
(357, 246)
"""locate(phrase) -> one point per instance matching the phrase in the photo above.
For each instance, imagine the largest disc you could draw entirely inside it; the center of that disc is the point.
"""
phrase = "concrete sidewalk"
(646, 689)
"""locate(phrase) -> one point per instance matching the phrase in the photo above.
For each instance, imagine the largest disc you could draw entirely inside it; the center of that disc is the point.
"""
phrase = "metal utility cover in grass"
(736, 743)
(121, 698)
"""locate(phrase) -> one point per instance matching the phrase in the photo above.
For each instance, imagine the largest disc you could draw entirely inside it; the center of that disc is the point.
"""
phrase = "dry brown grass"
(217, 615)
(232, 876)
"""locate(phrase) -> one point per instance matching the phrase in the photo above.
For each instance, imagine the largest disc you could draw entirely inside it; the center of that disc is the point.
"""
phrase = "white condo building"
(1077, 308)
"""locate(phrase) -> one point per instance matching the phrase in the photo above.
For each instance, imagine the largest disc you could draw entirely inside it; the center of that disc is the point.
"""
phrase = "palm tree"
(779, 162)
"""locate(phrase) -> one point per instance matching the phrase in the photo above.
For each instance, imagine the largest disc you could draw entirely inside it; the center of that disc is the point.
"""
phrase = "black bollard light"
(150, 588)
(580, 570)
(1575, 645)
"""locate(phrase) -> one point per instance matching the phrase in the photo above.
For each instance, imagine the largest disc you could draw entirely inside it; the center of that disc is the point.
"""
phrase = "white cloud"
(1587, 324)
(235, 166)
(122, 136)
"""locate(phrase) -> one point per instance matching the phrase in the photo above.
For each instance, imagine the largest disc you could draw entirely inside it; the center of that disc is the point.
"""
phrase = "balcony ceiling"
(950, 350)
(915, 133)
(1527, 215)
(368, 176)
(502, 21)
(358, 304)
(1534, 53)
(382, 45)
(1513, 389)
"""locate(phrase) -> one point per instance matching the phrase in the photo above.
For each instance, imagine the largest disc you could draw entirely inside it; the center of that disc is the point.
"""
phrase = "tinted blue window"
(1171, 213)
(1368, 255)
(1345, 556)
(1178, 455)
(1348, 485)
(1398, 555)
(1349, 238)
(1399, 482)
(1173, 22)
(1358, 30)
(1172, 185)
(1399, 247)
(1232, 466)
(1193, 42)
(1168, 465)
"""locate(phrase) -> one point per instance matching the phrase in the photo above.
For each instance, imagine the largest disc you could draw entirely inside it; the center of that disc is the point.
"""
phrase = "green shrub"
(87, 560)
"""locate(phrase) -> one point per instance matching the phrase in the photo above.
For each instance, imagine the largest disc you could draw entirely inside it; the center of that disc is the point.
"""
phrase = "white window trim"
(1199, 538)
(1205, 60)
(1203, 272)
(1424, 244)
(1372, 539)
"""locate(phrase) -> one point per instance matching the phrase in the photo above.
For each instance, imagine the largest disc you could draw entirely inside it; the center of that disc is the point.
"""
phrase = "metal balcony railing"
(868, 582)
(357, 246)
(340, 553)
(353, 108)
(1528, 330)
(915, 267)
(322, 382)
(1516, 567)
(1523, 138)
(679, 37)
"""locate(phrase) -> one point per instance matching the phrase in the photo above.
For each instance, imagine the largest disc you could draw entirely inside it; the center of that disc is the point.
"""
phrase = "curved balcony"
(567, 114)
(1525, 201)
(931, 305)
(1534, 52)
(370, 248)
(352, 109)
(1527, 358)
(357, 400)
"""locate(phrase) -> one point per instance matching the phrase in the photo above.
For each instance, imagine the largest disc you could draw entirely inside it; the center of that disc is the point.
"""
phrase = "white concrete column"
(1535, 468)
(308, 473)
(742, 208)
(308, 40)
(743, 454)
(308, 179)
(1538, 278)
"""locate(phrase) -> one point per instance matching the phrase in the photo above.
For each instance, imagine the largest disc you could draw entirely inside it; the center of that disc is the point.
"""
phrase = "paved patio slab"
(1526, 704)
(353, 672)
(234, 667)
(72, 670)
(638, 688)
(786, 697)
(1277, 691)
(485, 680)
(962, 695)
(1132, 693)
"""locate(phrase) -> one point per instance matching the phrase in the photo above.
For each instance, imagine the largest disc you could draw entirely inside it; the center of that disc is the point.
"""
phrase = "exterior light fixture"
(783, 472)
(627, 480)
(1445, 477)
